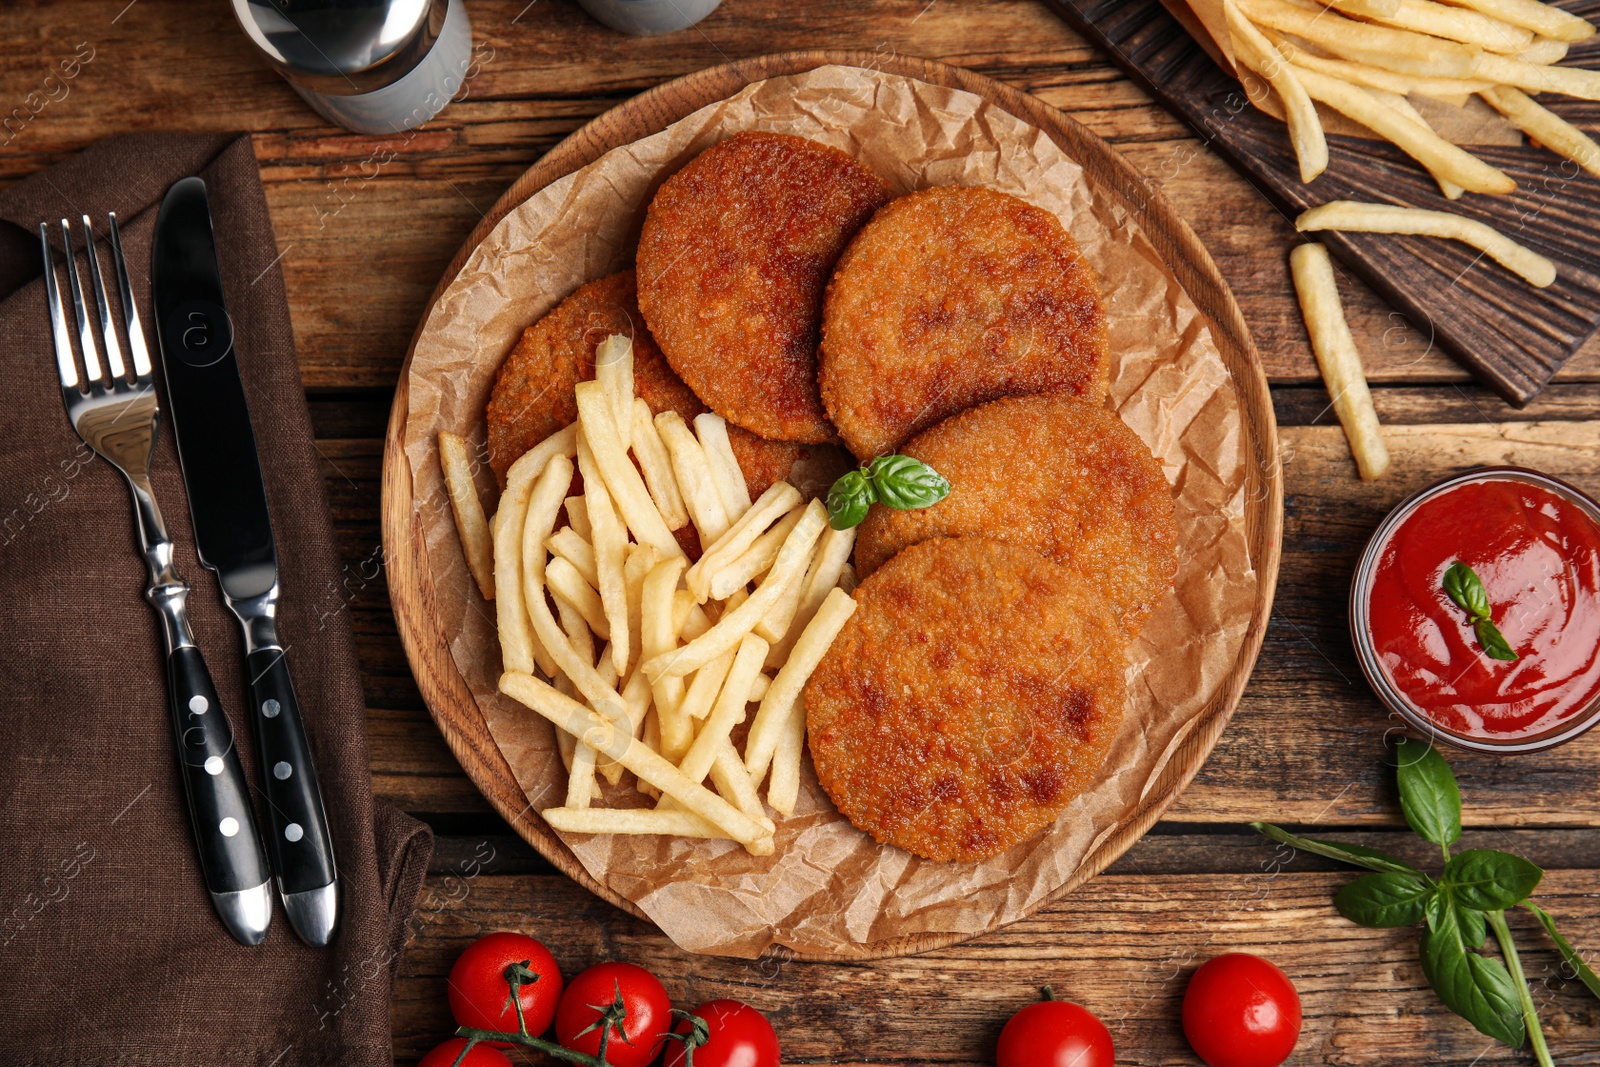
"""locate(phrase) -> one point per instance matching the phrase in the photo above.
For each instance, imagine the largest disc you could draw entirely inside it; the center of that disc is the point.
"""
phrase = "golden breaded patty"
(974, 693)
(1061, 475)
(534, 396)
(951, 297)
(735, 252)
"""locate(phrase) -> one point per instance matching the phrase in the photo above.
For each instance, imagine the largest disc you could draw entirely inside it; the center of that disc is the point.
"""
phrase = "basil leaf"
(1585, 973)
(1477, 988)
(1484, 879)
(1493, 644)
(1462, 585)
(1384, 900)
(848, 500)
(1474, 927)
(1358, 855)
(906, 483)
(1429, 797)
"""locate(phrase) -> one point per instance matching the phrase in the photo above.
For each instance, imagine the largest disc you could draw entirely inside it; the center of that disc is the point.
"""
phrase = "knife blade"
(233, 535)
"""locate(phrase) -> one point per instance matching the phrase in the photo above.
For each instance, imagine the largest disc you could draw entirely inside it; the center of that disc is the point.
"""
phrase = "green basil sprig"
(1463, 586)
(1457, 907)
(901, 482)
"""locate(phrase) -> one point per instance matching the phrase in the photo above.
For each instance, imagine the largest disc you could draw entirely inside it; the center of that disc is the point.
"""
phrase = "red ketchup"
(1538, 555)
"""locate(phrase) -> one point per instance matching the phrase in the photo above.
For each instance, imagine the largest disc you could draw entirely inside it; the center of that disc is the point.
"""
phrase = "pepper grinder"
(372, 66)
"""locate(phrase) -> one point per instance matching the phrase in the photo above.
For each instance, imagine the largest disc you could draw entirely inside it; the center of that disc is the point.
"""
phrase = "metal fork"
(119, 417)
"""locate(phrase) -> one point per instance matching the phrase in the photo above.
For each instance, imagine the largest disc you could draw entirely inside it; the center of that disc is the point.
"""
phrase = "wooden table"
(366, 225)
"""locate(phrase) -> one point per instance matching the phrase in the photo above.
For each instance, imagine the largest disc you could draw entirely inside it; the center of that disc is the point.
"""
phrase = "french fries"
(1262, 56)
(476, 543)
(651, 663)
(1338, 357)
(1544, 126)
(1386, 218)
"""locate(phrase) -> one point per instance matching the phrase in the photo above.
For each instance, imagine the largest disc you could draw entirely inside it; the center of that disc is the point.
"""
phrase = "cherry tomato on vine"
(480, 995)
(627, 1002)
(1054, 1033)
(1241, 1011)
(737, 1036)
(480, 1056)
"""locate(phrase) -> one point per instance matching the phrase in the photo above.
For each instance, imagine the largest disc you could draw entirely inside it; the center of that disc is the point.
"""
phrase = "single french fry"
(1538, 78)
(657, 635)
(775, 623)
(605, 766)
(1458, 24)
(733, 782)
(777, 501)
(826, 573)
(1543, 19)
(705, 685)
(784, 694)
(1545, 126)
(621, 477)
(650, 734)
(566, 544)
(756, 560)
(695, 481)
(682, 604)
(758, 687)
(674, 823)
(605, 734)
(729, 709)
(471, 525)
(1442, 159)
(578, 511)
(1371, 77)
(576, 627)
(567, 584)
(566, 744)
(610, 551)
(788, 567)
(712, 431)
(580, 780)
(520, 647)
(1371, 9)
(1401, 106)
(1259, 54)
(656, 466)
(784, 789)
(613, 369)
(640, 559)
(1350, 215)
(1400, 49)
(1338, 357)
(695, 623)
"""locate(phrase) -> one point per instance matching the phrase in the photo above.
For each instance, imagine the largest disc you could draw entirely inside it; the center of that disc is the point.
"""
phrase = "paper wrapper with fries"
(825, 887)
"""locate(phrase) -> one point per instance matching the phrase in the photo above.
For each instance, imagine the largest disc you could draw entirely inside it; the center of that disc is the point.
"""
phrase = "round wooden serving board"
(411, 585)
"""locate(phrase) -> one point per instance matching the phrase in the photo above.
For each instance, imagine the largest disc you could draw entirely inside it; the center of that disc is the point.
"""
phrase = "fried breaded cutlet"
(948, 298)
(735, 252)
(1061, 475)
(974, 693)
(533, 395)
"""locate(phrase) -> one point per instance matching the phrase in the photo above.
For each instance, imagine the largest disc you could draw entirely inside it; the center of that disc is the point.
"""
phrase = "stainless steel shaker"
(373, 66)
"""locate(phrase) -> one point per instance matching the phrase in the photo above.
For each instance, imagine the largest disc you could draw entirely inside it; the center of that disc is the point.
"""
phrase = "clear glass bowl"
(1361, 633)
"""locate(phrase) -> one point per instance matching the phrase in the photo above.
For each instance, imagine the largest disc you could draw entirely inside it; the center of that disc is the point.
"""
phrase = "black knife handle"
(231, 857)
(302, 849)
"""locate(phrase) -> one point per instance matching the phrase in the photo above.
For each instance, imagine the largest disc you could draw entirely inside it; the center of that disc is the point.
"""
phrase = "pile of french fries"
(645, 663)
(1362, 58)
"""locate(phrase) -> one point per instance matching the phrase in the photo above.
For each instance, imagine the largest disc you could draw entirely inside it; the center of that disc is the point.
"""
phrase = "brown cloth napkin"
(109, 950)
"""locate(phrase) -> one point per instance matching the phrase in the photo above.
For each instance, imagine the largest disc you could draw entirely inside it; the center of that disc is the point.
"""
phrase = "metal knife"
(233, 534)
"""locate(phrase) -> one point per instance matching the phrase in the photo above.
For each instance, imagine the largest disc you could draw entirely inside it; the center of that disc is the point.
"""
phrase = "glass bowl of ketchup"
(1533, 542)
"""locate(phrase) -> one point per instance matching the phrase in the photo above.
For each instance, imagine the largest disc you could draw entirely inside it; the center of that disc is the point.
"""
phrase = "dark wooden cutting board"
(1512, 336)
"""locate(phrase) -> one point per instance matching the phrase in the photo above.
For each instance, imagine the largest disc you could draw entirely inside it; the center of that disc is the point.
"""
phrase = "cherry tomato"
(636, 1039)
(1054, 1033)
(739, 1036)
(1241, 1011)
(480, 996)
(481, 1055)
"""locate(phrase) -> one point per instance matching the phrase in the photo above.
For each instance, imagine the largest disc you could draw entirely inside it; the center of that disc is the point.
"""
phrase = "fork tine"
(108, 325)
(91, 354)
(66, 366)
(130, 307)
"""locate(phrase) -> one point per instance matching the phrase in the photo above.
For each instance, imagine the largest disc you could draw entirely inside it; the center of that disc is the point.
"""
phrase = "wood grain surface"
(411, 588)
(1513, 336)
(367, 226)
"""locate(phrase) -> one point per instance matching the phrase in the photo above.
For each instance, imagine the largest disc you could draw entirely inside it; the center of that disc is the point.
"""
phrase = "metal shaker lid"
(342, 47)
